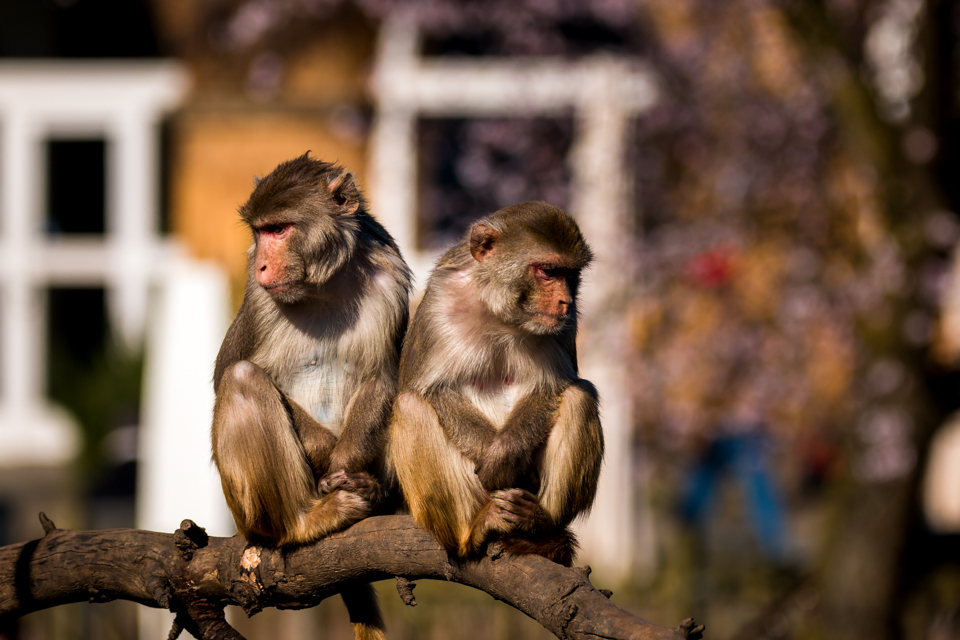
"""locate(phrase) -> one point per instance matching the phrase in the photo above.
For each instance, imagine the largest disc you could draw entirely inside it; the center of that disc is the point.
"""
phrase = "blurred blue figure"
(738, 448)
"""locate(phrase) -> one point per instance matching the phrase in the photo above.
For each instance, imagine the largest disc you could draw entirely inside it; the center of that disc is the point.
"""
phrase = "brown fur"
(307, 373)
(493, 433)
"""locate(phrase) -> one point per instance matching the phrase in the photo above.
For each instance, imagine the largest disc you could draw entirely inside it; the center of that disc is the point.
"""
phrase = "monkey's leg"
(438, 482)
(569, 471)
(333, 512)
(570, 467)
(266, 478)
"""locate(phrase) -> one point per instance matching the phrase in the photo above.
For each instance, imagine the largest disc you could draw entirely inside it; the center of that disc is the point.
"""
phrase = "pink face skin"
(554, 297)
(270, 261)
(550, 271)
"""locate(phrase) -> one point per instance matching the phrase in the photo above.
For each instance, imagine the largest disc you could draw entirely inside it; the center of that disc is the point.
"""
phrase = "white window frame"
(122, 103)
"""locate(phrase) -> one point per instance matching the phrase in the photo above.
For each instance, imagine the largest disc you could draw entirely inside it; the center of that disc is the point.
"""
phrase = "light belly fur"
(494, 402)
(323, 391)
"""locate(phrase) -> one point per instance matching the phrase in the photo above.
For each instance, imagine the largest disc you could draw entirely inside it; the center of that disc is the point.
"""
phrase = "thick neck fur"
(477, 347)
(346, 331)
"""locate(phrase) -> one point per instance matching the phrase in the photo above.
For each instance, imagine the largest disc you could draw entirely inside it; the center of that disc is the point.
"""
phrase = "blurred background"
(773, 321)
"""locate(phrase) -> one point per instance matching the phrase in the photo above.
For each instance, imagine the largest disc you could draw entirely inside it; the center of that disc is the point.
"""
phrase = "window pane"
(472, 167)
(77, 327)
(76, 186)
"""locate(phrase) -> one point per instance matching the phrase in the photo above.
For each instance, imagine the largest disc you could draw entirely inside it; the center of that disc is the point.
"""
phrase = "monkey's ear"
(483, 240)
(344, 191)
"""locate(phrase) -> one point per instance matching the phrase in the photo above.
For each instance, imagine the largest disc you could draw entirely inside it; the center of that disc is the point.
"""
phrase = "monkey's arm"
(364, 426)
(510, 454)
(239, 343)
(318, 441)
(575, 447)
(568, 471)
(462, 423)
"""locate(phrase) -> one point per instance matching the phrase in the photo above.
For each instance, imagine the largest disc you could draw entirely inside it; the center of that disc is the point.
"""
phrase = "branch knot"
(190, 537)
(691, 630)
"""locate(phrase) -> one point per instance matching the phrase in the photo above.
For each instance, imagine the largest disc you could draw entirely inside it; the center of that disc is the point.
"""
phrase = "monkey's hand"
(511, 510)
(360, 482)
(501, 465)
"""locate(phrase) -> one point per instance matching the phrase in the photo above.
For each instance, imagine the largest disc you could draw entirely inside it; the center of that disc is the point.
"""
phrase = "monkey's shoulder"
(389, 270)
(447, 357)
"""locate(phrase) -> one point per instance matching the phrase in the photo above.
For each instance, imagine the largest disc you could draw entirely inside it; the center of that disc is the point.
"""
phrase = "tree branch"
(195, 576)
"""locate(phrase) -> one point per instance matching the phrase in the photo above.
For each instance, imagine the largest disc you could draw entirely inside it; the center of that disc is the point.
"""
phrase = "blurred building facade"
(750, 287)
(182, 143)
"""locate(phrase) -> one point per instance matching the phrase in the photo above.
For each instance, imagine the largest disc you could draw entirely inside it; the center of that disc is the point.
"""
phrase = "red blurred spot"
(711, 269)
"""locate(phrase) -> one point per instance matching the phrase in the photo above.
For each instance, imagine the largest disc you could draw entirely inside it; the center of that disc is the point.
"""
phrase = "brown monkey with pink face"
(307, 373)
(493, 432)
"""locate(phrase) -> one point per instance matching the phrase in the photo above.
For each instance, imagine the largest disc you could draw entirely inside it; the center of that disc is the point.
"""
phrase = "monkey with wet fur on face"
(307, 373)
(493, 433)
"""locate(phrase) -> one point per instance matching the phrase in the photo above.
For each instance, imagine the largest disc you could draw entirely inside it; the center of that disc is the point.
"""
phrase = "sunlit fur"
(528, 233)
(438, 483)
(478, 335)
(307, 373)
(331, 225)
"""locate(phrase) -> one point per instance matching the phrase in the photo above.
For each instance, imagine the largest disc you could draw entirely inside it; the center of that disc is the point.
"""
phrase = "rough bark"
(195, 576)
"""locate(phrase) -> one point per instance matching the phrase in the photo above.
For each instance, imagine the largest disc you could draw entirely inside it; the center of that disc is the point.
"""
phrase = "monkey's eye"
(274, 229)
(549, 274)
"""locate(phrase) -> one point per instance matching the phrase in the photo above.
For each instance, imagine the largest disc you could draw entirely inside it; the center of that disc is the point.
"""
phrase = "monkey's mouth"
(278, 287)
(550, 319)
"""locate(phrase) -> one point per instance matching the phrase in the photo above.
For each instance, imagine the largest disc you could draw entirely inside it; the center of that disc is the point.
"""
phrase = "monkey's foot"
(361, 483)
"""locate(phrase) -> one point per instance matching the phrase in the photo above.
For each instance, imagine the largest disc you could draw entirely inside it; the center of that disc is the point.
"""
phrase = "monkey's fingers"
(517, 502)
(506, 519)
(333, 481)
(515, 495)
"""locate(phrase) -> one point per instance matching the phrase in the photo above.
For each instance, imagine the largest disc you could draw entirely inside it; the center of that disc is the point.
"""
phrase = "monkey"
(307, 373)
(493, 433)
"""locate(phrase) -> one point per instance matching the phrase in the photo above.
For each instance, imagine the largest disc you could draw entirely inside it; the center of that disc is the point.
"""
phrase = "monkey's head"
(528, 260)
(305, 219)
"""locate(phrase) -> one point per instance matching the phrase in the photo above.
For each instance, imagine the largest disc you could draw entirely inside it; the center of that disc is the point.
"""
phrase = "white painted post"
(393, 187)
(176, 478)
(600, 204)
(132, 215)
